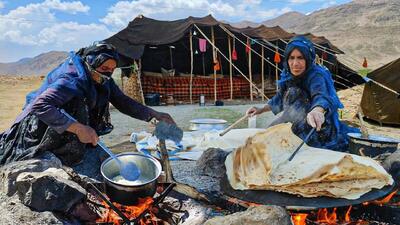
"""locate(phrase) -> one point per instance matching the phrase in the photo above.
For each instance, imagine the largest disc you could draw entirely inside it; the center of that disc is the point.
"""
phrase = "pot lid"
(372, 137)
(208, 121)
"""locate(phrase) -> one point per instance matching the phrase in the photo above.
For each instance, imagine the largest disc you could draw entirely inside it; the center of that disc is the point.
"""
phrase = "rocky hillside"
(39, 65)
(285, 20)
(361, 28)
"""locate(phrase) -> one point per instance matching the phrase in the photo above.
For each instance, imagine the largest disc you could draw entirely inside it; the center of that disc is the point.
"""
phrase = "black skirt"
(31, 137)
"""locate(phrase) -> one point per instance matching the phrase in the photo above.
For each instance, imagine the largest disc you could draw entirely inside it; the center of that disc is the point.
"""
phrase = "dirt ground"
(12, 96)
(14, 89)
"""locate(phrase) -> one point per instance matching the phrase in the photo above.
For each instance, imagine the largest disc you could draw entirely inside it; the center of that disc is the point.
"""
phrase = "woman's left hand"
(316, 117)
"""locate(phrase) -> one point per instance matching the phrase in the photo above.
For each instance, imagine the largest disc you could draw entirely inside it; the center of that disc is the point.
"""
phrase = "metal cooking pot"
(372, 146)
(128, 192)
(207, 124)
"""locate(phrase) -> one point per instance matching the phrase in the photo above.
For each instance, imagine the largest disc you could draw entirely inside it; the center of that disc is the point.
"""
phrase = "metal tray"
(297, 202)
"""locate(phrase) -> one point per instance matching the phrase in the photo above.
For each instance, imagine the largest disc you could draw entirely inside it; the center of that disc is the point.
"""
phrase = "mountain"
(285, 20)
(38, 65)
(245, 23)
(361, 28)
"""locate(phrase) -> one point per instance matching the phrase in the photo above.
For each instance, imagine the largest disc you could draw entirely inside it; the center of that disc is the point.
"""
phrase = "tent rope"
(251, 49)
(226, 58)
(273, 50)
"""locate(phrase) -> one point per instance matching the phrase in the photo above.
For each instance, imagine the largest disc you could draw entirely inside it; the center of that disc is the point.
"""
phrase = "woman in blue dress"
(69, 112)
(308, 99)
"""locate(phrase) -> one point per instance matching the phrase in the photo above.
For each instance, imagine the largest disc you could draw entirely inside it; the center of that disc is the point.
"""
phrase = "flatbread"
(262, 164)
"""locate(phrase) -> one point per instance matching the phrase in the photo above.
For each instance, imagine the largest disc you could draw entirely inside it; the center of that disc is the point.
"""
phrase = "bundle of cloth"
(262, 164)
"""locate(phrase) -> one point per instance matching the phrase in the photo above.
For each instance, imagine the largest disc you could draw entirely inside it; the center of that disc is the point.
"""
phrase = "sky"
(31, 27)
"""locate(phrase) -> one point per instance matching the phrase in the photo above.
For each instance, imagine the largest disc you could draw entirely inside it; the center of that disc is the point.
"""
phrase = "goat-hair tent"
(166, 44)
(379, 104)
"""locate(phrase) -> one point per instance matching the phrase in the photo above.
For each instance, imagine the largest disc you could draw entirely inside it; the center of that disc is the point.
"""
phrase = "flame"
(299, 218)
(129, 211)
(385, 200)
(347, 215)
(323, 216)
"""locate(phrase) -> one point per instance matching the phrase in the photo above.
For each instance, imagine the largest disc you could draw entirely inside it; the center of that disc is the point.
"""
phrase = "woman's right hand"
(85, 133)
(256, 111)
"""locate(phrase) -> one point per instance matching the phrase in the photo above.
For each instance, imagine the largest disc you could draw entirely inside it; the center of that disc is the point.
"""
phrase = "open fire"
(131, 212)
(357, 215)
(148, 210)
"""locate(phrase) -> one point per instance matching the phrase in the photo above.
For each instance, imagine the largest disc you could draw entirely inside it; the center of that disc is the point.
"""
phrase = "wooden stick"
(230, 65)
(191, 68)
(233, 125)
(262, 72)
(364, 131)
(250, 75)
(165, 162)
(276, 76)
(139, 80)
(214, 58)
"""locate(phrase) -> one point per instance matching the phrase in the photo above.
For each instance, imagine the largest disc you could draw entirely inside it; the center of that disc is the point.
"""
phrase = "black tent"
(166, 44)
(378, 103)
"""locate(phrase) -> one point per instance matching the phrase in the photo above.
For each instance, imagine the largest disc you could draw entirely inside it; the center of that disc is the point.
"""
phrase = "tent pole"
(122, 81)
(191, 67)
(230, 65)
(214, 59)
(250, 75)
(226, 58)
(170, 56)
(276, 76)
(140, 80)
(262, 72)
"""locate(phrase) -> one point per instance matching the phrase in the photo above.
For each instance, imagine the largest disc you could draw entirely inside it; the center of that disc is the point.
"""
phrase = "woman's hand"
(316, 117)
(160, 116)
(256, 111)
(85, 133)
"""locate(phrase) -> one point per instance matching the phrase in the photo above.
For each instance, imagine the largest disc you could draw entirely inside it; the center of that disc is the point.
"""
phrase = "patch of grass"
(364, 72)
(220, 113)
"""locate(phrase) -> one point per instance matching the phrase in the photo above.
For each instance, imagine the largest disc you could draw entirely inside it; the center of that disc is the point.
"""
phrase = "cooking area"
(196, 188)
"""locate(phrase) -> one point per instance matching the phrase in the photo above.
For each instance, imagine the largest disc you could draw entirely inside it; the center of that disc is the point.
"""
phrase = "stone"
(10, 171)
(392, 165)
(49, 190)
(212, 163)
(254, 215)
(13, 212)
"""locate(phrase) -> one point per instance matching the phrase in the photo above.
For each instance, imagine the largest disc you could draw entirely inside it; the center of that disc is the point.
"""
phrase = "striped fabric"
(180, 86)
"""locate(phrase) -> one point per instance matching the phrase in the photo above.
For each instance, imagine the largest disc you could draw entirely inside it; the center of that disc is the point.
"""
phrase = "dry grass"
(13, 90)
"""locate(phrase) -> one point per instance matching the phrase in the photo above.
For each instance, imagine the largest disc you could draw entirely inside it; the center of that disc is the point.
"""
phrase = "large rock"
(212, 163)
(13, 212)
(49, 190)
(10, 172)
(255, 215)
(392, 165)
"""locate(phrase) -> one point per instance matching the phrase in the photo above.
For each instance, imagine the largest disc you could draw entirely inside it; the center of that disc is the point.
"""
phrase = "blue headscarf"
(307, 49)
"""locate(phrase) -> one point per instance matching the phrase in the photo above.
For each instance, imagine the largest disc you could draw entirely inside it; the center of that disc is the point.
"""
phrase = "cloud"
(68, 7)
(35, 28)
(1, 4)
(299, 1)
(25, 25)
(124, 11)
